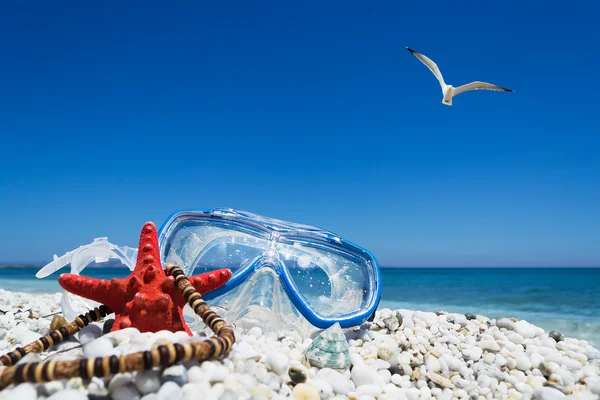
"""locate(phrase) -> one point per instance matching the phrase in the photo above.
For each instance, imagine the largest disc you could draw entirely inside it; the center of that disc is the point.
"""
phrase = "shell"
(329, 349)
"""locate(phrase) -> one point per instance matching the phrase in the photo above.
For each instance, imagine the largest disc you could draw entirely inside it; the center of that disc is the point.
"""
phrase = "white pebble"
(125, 392)
(525, 329)
(489, 345)
(473, 353)
(302, 391)
(98, 348)
(68, 394)
(24, 391)
(369, 390)
(364, 375)
(147, 381)
(170, 391)
(523, 363)
(547, 393)
(324, 388)
(278, 362)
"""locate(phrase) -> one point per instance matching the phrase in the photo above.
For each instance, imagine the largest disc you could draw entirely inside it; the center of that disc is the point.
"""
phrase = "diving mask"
(283, 272)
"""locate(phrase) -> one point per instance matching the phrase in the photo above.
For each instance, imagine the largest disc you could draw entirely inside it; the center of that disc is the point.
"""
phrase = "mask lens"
(333, 284)
(199, 248)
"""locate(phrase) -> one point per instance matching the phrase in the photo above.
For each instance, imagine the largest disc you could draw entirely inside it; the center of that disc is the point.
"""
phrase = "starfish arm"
(210, 281)
(99, 290)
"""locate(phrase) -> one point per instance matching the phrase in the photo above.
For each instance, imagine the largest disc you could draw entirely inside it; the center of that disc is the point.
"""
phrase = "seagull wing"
(479, 86)
(430, 64)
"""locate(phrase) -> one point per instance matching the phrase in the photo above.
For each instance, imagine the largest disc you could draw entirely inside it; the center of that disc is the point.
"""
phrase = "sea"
(562, 299)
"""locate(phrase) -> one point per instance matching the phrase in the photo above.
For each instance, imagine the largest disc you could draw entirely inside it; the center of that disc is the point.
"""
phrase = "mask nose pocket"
(260, 300)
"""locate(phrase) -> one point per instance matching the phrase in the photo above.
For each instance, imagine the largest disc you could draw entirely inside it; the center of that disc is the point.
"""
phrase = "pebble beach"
(401, 354)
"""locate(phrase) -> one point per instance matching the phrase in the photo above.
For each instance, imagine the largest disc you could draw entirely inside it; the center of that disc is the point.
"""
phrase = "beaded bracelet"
(163, 355)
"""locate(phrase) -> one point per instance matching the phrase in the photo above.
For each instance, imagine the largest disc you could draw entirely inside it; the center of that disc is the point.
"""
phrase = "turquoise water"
(564, 299)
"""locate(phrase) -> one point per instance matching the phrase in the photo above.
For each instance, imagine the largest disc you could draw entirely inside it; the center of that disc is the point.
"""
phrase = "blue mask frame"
(346, 321)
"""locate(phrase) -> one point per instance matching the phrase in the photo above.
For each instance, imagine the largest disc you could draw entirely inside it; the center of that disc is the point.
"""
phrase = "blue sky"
(115, 114)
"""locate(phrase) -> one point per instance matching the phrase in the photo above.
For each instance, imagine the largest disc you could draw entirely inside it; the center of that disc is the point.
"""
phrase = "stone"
(439, 380)
(339, 383)
(369, 390)
(364, 375)
(89, 333)
(546, 393)
(169, 391)
(324, 388)
(124, 392)
(298, 374)
(24, 391)
(98, 348)
(176, 374)
(489, 345)
(391, 323)
(147, 381)
(69, 394)
(473, 353)
(302, 391)
(505, 323)
(557, 336)
(525, 329)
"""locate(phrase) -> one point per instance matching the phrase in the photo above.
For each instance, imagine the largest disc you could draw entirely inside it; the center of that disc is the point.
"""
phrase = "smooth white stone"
(489, 345)
(393, 392)
(433, 365)
(523, 387)
(453, 362)
(356, 360)
(385, 374)
(364, 375)
(535, 382)
(98, 348)
(547, 393)
(323, 387)
(473, 353)
(278, 362)
(488, 358)
(525, 329)
(125, 392)
(380, 364)
(69, 394)
(196, 375)
(338, 382)
(515, 338)
(49, 388)
(413, 394)
(595, 387)
(147, 381)
(176, 374)
(255, 331)
(523, 363)
(305, 392)
(89, 333)
(24, 391)
(169, 391)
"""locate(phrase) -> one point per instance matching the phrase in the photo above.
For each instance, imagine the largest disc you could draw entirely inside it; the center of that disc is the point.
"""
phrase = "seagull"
(450, 91)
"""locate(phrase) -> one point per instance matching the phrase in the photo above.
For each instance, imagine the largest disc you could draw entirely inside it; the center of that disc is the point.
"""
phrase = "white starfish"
(448, 90)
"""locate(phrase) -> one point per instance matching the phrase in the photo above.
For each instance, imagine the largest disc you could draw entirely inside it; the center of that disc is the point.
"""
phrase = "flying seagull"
(450, 91)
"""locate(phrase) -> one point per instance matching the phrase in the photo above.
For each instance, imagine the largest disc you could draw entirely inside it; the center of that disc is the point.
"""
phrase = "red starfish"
(147, 299)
